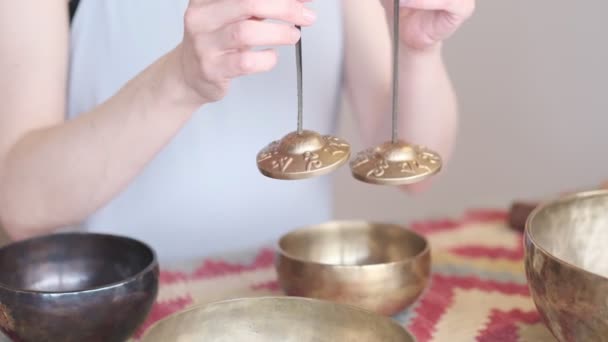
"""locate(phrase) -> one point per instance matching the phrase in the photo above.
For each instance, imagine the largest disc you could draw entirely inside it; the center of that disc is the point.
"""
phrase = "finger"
(248, 62)
(217, 14)
(454, 6)
(291, 11)
(250, 33)
(426, 4)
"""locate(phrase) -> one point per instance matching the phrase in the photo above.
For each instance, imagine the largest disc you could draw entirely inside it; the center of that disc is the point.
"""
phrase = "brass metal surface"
(377, 266)
(395, 164)
(303, 155)
(274, 319)
(566, 262)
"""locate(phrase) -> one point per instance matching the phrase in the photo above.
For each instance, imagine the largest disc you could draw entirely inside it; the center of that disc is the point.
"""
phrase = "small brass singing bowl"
(566, 262)
(274, 319)
(76, 287)
(380, 267)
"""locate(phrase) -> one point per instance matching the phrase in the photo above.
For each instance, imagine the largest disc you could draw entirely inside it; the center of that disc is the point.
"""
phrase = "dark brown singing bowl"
(377, 266)
(76, 287)
(276, 319)
(566, 244)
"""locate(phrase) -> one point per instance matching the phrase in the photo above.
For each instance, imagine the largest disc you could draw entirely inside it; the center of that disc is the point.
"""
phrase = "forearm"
(59, 175)
(427, 110)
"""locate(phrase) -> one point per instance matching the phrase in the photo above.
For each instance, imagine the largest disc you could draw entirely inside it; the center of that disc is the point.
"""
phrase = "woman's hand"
(220, 36)
(425, 23)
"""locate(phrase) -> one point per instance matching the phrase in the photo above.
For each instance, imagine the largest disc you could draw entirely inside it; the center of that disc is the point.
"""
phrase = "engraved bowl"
(380, 267)
(75, 287)
(274, 319)
(566, 262)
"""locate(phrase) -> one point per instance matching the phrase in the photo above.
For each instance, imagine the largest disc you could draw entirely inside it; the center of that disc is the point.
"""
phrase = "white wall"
(532, 80)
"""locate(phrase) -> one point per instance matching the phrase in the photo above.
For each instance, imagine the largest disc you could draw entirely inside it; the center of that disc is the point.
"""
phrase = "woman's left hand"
(426, 23)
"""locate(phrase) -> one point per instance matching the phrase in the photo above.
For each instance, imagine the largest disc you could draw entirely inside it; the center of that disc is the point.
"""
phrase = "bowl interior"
(276, 319)
(353, 243)
(71, 262)
(574, 230)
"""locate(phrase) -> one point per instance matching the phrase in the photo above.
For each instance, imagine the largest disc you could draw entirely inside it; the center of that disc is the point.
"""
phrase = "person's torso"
(203, 193)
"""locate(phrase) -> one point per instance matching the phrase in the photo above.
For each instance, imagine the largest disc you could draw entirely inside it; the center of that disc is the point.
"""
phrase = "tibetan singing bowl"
(566, 244)
(76, 287)
(379, 267)
(274, 319)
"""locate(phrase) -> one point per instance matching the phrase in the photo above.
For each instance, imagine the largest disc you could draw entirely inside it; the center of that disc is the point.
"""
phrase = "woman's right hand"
(220, 35)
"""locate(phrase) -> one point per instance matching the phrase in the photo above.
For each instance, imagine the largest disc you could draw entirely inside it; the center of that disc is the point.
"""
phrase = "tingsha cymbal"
(303, 155)
(396, 163)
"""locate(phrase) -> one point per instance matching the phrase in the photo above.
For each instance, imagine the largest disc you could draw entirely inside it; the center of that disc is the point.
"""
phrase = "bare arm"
(54, 173)
(428, 107)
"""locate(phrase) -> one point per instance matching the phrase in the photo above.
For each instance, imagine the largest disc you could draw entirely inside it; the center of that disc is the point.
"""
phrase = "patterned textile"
(478, 290)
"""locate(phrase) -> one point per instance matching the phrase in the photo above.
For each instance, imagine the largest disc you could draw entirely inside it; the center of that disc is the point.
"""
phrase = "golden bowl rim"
(550, 203)
(202, 306)
(425, 251)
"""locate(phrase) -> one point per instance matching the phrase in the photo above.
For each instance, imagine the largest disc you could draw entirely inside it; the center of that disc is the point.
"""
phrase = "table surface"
(478, 290)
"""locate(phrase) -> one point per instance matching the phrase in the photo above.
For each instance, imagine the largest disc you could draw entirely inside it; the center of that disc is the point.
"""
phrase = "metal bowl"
(377, 266)
(270, 319)
(75, 287)
(566, 262)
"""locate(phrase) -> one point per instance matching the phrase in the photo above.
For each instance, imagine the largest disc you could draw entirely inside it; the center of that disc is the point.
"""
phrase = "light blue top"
(203, 193)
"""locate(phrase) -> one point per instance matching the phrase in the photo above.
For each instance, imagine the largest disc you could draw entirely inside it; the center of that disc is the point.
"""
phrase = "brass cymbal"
(303, 155)
(397, 163)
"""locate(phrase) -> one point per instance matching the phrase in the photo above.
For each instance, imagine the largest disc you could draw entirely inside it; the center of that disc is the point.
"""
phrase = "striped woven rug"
(478, 289)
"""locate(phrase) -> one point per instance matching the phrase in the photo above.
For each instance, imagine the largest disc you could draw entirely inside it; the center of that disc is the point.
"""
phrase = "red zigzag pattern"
(439, 297)
(502, 325)
(431, 307)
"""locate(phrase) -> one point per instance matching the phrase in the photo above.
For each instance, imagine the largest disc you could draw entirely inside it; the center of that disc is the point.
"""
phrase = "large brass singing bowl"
(273, 319)
(566, 244)
(377, 266)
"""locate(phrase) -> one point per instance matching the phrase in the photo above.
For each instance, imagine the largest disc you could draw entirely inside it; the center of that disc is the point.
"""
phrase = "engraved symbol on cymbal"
(409, 166)
(335, 146)
(268, 152)
(312, 160)
(378, 171)
(429, 156)
(282, 163)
